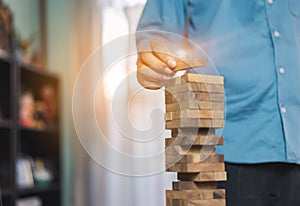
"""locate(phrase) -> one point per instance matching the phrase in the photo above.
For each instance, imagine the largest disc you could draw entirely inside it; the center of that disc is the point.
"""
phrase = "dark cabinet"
(29, 129)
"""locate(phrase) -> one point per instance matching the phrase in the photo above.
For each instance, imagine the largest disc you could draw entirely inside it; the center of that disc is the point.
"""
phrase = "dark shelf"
(38, 189)
(5, 124)
(37, 70)
(5, 158)
(5, 89)
(34, 130)
(6, 192)
(17, 141)
(5, 58)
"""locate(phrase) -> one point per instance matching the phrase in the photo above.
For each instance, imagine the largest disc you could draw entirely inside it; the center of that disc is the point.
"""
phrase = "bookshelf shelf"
(40, 141)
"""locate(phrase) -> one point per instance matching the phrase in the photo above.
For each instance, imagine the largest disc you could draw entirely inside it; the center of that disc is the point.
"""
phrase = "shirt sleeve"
(159, 19)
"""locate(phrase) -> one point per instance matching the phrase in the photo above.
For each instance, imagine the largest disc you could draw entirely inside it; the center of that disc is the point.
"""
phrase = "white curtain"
(96, 184)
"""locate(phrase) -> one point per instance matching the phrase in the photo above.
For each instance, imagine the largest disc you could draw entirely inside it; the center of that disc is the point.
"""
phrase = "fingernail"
(172, 63)
(166, 78)
(169, 71)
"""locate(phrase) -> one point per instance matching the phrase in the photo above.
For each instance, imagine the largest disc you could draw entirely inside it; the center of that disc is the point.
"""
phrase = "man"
(255, 45)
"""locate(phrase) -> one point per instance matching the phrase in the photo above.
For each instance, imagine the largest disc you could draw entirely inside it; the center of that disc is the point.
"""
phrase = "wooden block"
(212, 202)
(213, 158)
(184, 185)
(189, 194)
(195, 87)
(195, 167)
(195, 105)
(196, 194)
(180, 150)
(190, 140)
(194, 114)
(193, 96)
(203, 176)
(203, 78)
(194, 123)
(217, 123)
(171, 202)
(196, 78)
(184, 132)
(204, 123)
(214, 97)
(160, 50)
(185, 64)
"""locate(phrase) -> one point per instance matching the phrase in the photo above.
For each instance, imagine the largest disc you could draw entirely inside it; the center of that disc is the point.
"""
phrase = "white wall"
(58, 33)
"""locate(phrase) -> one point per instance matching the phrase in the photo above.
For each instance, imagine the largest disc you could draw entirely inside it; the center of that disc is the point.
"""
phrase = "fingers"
(147, 58)
(160, 50)
(155, 65)
(150, 79)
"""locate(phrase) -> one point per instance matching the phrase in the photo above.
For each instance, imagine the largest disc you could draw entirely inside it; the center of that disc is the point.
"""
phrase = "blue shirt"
(255, 45)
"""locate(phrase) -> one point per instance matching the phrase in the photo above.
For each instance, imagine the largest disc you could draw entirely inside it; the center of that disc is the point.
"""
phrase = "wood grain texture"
(195, 123)
(190, 140)
(193, 96)
(185, 64)
(194, 108)
(194, 150)
(203, 176)
(195, 78)
(197, 158)
(194, 114)
(185, 185)
(186, 132)
(195, 87)
(195, 105)
(212, 202)
(196, 194)
(195, 167)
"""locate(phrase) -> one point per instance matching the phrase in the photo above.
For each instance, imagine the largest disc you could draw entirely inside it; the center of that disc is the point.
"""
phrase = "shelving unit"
(17, 140)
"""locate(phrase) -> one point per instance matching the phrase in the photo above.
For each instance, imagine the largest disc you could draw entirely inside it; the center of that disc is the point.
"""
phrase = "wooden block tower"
(194, 109)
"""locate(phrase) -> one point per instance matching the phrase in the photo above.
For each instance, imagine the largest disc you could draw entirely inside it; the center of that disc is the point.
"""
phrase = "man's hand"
(155, 65)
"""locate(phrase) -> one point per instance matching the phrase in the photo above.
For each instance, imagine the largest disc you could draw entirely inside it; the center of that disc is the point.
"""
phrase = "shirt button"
(276, 34)
(281, 70)
(270, 1)
(283, 110)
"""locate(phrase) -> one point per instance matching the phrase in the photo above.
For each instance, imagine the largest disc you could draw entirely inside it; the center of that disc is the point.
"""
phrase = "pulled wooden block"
(185, 64)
